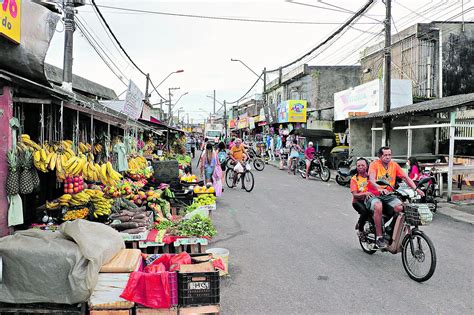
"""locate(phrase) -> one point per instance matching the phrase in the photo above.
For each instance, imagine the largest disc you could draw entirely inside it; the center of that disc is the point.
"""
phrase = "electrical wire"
(243, 96)
(222, 18)
(116, 39)
(84, 33)
(324, 42)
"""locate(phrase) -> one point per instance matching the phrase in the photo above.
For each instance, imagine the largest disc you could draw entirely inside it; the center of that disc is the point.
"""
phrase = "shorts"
(294, 155)
(389, 202)
(308, 162)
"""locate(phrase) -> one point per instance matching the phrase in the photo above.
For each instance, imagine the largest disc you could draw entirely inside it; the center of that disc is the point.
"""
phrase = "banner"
(232, 124)
(296, 110)
(251, 123)
(133, 101)
(10, 19)
(282, 112)
(146, 112)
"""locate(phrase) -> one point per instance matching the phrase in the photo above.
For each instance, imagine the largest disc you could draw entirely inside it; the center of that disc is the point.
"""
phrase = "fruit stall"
(108, 174)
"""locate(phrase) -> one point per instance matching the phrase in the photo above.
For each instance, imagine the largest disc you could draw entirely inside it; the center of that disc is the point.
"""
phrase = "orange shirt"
(389, 174)
(237, 153)
(358, 184)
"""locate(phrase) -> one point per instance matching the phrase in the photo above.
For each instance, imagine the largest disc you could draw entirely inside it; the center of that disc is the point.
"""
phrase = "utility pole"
(225, 120)
(387, 71)
(214, 110)
(169, 106)
(147, 99)
(161, 110)
(68, 40)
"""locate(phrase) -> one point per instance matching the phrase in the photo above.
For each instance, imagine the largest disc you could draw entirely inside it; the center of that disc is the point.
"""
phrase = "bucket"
(224, 255)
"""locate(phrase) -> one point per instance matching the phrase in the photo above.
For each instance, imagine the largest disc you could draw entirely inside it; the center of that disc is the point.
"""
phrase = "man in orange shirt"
(384, 168)
(238, 154)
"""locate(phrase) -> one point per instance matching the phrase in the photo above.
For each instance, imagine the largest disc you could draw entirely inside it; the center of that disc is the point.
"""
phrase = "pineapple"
(13, 178)
(26, 178)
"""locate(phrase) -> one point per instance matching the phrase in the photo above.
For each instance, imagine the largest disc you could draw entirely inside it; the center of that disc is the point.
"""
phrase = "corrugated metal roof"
(438, 104)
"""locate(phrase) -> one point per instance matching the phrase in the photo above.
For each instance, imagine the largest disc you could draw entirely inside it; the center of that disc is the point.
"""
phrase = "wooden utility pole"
(387, 71)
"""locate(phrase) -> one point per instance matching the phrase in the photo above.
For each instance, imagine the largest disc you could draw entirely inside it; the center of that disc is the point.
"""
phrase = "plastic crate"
(198, 288)
(418, 214)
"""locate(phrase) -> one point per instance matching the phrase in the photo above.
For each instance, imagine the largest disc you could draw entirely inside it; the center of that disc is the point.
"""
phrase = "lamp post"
(179, 99)
(169, 102)
(264, 79)
(225, 112)
(232, 59)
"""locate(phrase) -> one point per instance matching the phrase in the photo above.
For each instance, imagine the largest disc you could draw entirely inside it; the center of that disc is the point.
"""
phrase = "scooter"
(345, 172)
(403, 235)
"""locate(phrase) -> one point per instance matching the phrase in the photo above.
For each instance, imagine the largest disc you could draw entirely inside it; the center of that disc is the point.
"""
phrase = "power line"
(115, 37)
(222, 18)
(339, 30)
(98, 52)
(243, 96)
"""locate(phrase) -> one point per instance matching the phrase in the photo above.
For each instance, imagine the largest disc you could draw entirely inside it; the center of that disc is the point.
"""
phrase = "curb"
(446, 209)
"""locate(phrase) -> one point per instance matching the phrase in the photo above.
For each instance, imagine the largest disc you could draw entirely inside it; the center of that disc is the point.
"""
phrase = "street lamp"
(179, 99)
(232, 59)
(169, 101)
(156, 87)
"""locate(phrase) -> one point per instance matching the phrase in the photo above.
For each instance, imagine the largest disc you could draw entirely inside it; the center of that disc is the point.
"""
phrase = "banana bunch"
(49, 159)
(101, 173)
(52, 205)
(79, 199)
(85, 147)
(26, 143)
(101, 204)
(137, 163)
(98, 148)
(64, 200)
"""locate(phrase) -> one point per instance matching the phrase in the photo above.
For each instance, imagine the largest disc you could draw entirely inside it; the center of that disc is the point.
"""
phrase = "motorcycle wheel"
(325, 174)
(258, 164)
(365, 247)
(416, 253)
(340, 181)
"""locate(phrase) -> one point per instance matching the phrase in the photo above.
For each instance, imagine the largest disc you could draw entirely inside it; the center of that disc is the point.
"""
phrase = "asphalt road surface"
(293, 250)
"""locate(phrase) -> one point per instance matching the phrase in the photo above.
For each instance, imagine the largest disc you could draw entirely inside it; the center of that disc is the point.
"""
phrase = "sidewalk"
(462, 211)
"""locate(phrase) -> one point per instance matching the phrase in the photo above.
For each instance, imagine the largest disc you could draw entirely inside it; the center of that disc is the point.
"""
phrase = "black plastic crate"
(198, 288)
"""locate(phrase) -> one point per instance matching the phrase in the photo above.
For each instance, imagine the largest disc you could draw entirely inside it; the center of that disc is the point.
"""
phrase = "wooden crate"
(157, 311)
(111, 312)
(207, 309)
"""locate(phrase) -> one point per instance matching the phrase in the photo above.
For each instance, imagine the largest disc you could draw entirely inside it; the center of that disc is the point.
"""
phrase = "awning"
(314, 133)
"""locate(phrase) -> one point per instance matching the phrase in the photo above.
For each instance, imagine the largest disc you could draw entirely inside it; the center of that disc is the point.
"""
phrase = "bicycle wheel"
(229, 177)
(248, 181)
(325, 173)
(418, 256)
(259, 164)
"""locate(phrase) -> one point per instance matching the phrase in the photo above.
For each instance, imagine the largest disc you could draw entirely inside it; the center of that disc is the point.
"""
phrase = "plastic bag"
(217, 182)
(238, 168)
(149, 289)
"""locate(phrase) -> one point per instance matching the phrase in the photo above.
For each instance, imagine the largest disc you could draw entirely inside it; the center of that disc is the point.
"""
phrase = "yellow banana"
(59, 166)
(37, 156)
(52, 162)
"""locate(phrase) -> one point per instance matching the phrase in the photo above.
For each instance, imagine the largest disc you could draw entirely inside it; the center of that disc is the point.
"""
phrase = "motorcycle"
(258, 162)
(345, 172)
(431, 190)
(317, 168)
(403, 234)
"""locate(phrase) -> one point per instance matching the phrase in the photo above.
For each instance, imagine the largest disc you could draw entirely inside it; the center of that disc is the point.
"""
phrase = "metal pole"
(451, 153)
(169, 105)
(68, 41)
(214, 108)
(387, 68)
(225, 120)
(147, 98)
(161, 110)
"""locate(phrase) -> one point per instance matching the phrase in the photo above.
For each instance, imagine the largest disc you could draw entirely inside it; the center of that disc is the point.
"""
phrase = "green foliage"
(196, 226)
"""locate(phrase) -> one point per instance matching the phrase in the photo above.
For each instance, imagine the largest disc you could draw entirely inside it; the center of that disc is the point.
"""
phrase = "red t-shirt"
(309, 152)
(389, 174)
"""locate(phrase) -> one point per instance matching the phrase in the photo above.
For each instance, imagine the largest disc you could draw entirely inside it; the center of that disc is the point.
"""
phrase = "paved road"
(294, 251)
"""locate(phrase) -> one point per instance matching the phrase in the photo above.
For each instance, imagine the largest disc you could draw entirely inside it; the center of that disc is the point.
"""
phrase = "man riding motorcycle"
(384, 168)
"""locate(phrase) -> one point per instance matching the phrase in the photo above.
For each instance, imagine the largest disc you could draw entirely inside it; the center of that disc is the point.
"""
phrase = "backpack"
(222, 156)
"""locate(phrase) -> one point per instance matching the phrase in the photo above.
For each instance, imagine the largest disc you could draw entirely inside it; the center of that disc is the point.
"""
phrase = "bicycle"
(246, 176)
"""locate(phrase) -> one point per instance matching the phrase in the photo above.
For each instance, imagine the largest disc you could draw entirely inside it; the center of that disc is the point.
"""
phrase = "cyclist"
(238, 154)
(384, 168)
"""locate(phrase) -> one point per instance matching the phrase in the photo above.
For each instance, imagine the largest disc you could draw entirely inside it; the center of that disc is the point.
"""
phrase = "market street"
(293, 250)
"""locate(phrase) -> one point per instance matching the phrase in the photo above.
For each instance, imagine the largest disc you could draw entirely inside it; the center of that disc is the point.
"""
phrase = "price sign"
(10, 21)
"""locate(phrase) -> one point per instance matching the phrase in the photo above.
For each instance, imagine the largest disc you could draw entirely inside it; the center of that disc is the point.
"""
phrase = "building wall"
(415, 56)
(6, 113)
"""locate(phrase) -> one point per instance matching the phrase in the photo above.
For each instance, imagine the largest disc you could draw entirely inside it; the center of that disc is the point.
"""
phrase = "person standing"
(208, 163)
(193, 146)
(278, 145)
(271, 148)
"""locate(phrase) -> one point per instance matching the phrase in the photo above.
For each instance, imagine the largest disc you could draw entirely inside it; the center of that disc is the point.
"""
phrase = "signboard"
(297, 110)
(10, 19)
(243, 122)
(146, 112)
(115, 105)
(368, 98)
(251, 122)
(282, 112)
(232, 124)
(133, 101)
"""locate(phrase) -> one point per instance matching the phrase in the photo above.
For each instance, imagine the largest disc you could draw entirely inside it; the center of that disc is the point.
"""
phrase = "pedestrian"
(222, 158)
(413, 168)
(231, 143)
(278, 146)
(271, 148)
(208, 163)
(193, 146)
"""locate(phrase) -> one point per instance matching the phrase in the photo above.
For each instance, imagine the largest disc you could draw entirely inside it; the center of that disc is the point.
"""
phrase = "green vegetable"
(196, 226)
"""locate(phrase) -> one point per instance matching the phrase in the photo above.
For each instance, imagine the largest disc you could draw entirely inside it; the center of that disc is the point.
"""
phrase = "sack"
(238, 168)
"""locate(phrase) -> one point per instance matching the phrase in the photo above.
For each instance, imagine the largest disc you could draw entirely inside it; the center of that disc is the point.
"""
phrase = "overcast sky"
(202, 47)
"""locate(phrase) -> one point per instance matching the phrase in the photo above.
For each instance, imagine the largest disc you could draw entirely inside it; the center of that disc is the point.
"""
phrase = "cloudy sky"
(162, 40)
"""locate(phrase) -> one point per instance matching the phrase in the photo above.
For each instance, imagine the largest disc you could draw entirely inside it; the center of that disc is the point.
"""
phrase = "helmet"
(310, 143)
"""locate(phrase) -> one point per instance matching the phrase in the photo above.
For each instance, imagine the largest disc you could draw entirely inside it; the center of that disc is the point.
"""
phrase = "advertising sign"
(133, 101)
(232, 124)
(243, 122)
(251, 123)
(297, 110)
(368, 98)
(282, 112)
(10, 19)
(146, 112)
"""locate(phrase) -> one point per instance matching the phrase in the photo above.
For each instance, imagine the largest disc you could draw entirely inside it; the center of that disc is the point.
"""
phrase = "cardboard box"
(157, 311)
(202, 267)
(111, 312)
(207, 309)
